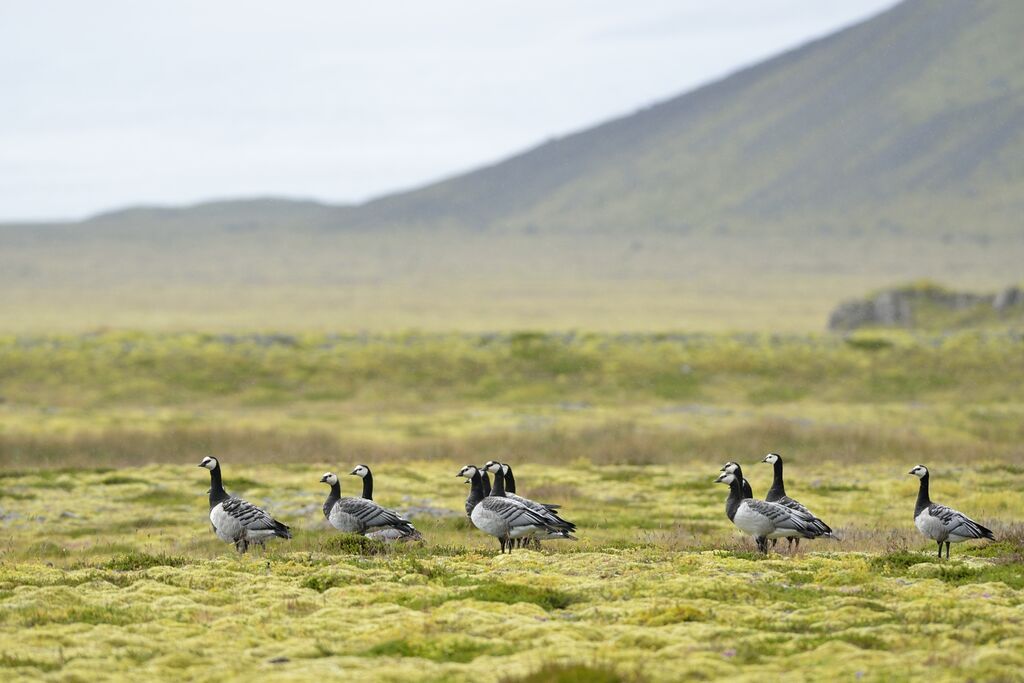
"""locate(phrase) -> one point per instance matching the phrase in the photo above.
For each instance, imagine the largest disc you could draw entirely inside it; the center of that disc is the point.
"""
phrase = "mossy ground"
(109, 570)
(115, 574)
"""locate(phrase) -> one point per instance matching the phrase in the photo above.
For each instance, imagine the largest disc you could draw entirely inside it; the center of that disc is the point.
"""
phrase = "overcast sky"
(107, 104)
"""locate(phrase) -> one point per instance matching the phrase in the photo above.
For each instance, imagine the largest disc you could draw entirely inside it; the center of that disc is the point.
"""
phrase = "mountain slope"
(923, 105)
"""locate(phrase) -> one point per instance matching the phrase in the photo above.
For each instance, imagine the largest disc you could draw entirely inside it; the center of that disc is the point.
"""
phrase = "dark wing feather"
(545, 512)
(254, 518)
(958, 523)
(784, 518)
(370, 513)
(516, 514)
(797, 506)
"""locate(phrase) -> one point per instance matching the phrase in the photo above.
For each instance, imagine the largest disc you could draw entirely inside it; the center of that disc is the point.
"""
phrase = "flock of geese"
(517, 522)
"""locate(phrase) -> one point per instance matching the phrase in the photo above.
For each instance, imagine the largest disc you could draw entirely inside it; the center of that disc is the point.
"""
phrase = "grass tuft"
(575, 673)
(135, 560)
(511, 593)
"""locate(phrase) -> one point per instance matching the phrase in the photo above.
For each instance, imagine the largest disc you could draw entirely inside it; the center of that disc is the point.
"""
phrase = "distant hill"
(888, 151)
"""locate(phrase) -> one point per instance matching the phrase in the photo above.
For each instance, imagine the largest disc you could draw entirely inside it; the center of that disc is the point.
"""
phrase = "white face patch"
(771, 458)
(730, 467)
(919, 471)
(329, 478)
(360, 471)
(726, 478)
(209, 463)
(468, 471)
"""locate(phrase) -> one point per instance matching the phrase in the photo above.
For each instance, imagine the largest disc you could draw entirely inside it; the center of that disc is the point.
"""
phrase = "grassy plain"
(108, 568)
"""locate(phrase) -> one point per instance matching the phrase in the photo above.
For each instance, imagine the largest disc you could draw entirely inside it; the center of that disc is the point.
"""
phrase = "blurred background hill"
(887, 152)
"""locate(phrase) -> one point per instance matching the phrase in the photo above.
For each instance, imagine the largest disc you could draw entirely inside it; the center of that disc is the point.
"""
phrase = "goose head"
(494, 467)
(772, 458)
(919, 471)
(329, 478)
(730, 467)
(209, 462)
(468, 472)
(360, 471)
(726, 478)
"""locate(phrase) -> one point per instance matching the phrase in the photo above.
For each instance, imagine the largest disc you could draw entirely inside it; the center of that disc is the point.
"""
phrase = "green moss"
(439, 649)
(575, 673)
(511, 593)
(1011, 574)
(74, 614)
(8, 661)
(352, 544)
(134, 561)
(900, 561)
(670, 614)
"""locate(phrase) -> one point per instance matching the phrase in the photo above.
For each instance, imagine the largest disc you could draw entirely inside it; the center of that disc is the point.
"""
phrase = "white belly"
(389, 534)
(754, 523)
(785, 533)
(523, 531)
(342, 521)
(488, 522)
(225, 526)
(930, 526)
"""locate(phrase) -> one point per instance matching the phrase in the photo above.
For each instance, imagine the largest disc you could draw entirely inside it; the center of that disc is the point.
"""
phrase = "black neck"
(368, 485)
(778, 488)
(498, 489)
(923, 500)
(510, 481)
(485, 483)
(332, 498)
(217, 493)
(476, 485)
(747, 491)
(732, 503)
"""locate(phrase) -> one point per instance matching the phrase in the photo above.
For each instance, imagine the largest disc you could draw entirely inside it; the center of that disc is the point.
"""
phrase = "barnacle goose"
(502, 517)
(940, 523)
(759, 518)
(367, 476)
(391, 533)
(359, 515)
(777, 494)
(505, 474)
(235, 520)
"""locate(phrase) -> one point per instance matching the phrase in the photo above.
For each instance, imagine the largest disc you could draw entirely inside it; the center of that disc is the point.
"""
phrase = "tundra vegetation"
(108, 567)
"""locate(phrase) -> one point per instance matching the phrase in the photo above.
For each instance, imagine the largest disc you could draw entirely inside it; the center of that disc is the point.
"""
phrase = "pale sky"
(113, 103)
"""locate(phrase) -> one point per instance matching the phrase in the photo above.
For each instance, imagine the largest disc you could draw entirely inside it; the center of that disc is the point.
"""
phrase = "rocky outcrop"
(896, 307)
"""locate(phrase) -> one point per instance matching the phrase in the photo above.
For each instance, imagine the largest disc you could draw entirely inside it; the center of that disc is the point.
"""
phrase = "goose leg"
(947, 550)
(940, 550)
(797, 542)
(774, 541)
(510, 544)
